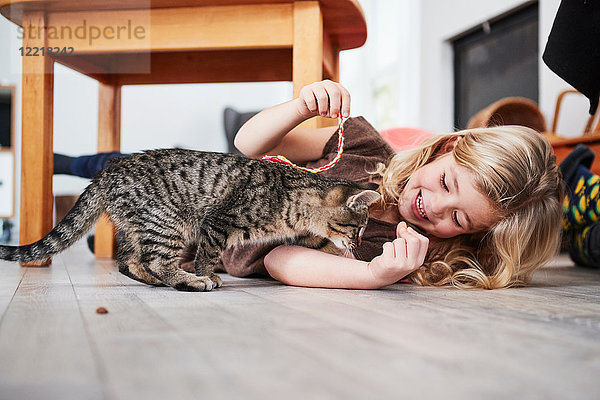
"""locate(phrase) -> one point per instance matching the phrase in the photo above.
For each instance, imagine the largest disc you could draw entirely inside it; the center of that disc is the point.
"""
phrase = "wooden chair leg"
(109, 139)
(307, 53)
(36, 143)
(105, 242)
(331, 70)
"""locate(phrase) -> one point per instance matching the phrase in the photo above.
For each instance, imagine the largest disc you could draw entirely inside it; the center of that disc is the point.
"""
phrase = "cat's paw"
(331, 248)
(216, 280)
(198, 284)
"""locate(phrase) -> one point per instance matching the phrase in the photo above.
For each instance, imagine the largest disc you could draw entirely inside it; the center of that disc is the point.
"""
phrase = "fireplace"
(497, 59)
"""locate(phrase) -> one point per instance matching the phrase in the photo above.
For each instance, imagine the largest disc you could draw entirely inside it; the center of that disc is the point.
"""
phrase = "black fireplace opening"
(497, 59)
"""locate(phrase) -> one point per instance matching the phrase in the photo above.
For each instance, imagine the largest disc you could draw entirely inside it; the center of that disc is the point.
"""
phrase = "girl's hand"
(325, 98)
(400, 257)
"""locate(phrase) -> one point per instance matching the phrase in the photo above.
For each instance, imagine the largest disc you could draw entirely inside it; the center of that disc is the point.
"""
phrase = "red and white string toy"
(325, 167)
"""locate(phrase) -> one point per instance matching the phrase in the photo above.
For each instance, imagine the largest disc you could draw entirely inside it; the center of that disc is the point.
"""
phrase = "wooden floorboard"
(10, 279)
(44, 349)
(244, 340)
(140, 354)
(259, 339)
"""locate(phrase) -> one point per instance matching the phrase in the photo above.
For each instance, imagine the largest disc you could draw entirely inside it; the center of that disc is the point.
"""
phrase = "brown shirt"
(364, 148)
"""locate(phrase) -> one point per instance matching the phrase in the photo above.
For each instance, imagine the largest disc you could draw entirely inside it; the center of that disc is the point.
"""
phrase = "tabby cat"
(167, 201)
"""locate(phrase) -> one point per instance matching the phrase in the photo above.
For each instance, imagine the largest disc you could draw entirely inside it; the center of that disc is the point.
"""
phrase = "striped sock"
(584, 245)
(581, 206)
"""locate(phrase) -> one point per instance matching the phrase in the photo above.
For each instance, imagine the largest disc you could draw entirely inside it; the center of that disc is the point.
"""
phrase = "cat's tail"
(78, 221)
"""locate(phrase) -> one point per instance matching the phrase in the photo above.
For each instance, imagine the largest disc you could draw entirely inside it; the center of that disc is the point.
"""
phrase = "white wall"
(383, 75)
(153, 116)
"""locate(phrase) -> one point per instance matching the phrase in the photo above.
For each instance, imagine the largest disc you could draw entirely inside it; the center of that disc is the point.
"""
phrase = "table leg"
(109, 139)
(331, 71)
(307, 53)
(331, 60)
(36, 142)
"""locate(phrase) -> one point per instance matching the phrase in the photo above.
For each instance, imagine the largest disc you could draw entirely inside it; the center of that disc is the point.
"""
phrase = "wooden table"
(128, 42)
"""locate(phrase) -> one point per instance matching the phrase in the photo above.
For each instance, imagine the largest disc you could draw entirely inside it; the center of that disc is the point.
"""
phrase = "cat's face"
(346, 214)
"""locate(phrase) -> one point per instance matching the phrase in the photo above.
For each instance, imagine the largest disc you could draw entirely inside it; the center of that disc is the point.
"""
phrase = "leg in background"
(83, 166)
(581, 207)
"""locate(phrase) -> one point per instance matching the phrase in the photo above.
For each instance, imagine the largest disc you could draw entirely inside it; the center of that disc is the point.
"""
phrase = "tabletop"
(342, 19)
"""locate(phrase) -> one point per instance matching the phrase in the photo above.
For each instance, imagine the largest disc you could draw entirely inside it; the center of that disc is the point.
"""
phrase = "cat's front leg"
(318, 243)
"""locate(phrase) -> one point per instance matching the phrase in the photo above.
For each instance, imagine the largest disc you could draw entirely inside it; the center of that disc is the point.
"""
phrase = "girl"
(479, 208)
(476, 209)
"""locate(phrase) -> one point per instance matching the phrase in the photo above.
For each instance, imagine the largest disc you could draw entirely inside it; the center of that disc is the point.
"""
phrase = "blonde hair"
(515, 169)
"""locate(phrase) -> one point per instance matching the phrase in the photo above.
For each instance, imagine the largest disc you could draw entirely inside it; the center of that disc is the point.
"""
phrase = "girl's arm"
(275, 131)
(300, 266)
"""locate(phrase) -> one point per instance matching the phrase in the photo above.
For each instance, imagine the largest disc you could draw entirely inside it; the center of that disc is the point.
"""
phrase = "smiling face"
(441, 198)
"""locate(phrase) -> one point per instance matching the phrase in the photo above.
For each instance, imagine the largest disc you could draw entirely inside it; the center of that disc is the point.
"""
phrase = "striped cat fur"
(168, 201)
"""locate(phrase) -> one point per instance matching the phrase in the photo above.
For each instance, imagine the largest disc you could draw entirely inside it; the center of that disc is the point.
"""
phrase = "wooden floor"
(258, 339)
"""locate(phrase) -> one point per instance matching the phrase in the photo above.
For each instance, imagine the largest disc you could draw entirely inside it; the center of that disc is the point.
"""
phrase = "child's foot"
(580, 156)
(581, 205)
(62, 164)
(90, 241)
(584, 245)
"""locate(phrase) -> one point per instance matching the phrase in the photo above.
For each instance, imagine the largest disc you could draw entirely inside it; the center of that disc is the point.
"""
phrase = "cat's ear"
(366, 197)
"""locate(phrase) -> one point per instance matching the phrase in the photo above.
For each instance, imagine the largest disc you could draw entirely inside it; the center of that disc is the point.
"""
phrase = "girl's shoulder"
(361, 138)
(364, 149)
